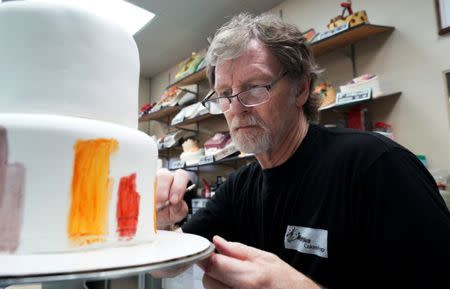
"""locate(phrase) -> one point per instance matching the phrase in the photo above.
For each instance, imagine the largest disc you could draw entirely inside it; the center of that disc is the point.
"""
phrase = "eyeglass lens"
(251, 97)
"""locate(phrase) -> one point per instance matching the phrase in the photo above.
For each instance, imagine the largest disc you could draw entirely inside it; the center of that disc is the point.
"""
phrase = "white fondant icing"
(44, 145)
(57, 59)
(67, 75)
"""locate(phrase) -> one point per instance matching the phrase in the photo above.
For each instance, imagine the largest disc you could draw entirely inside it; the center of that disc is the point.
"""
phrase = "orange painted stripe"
(127, 207)
(91, 191)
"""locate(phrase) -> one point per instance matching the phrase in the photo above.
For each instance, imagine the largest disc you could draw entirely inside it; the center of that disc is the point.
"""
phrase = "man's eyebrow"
(259, 76)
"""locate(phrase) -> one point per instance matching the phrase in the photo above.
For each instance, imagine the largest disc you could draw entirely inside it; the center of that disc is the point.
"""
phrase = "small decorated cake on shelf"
(191, 152)
(220, 146)
(189, 112)
(363, 82)
(176, 96)
(193, 64)
(216, 143)
(310, 35)
(327, 92)
(75, 173)
(352, 19)
(175, 138)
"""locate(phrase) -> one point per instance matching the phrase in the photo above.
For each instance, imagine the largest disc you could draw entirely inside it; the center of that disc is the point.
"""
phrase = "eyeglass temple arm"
(207, 97)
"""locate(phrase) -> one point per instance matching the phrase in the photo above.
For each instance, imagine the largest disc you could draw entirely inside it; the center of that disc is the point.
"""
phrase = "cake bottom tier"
(70, 184)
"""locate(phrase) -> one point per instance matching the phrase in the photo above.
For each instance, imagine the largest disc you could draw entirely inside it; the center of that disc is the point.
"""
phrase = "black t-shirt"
(348, 209)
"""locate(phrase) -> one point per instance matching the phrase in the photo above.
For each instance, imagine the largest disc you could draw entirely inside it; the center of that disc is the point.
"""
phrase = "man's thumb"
(234, 249)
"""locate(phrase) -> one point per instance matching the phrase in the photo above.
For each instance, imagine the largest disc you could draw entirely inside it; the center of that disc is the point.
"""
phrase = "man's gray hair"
(284, 40)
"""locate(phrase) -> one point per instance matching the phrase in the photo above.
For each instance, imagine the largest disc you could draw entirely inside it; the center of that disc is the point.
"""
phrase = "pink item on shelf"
(217, 142)
(360, 79)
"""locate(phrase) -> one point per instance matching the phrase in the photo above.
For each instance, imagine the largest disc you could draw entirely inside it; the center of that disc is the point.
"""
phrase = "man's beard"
(257, 140)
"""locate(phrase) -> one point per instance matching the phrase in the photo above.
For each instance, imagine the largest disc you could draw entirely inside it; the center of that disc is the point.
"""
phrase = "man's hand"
(241, 266)
(171, 186)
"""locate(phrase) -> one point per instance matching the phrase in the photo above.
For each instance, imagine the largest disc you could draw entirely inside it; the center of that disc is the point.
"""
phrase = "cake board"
(169, 250)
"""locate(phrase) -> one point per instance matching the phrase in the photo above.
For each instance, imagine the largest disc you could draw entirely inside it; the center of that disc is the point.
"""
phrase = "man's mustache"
(249, 120)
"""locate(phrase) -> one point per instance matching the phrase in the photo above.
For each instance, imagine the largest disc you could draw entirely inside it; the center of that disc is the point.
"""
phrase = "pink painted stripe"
(12, 178)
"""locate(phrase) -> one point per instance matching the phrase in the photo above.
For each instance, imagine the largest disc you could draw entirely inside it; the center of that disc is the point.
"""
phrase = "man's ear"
(302, 91)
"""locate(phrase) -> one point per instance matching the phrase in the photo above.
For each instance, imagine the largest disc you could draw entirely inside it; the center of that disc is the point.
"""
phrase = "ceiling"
(182, 26)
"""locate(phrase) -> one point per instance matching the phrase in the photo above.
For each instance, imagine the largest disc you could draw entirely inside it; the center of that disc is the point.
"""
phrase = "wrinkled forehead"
(255, 61)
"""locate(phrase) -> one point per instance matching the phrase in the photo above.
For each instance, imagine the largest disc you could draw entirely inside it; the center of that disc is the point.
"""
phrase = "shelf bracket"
(353, 59)
(187, 129)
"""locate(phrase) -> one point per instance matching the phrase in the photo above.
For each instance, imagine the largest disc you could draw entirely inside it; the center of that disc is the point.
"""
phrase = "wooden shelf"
(349, 104)
(227, 160)
(177, 148)
(347, 37)
(342, 39)
(160, 114)
(166, 152)
(222, 161)
(193, 78)
(197, 119)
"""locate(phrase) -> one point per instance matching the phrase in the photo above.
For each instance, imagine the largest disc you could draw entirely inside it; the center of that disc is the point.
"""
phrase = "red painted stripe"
(127, 207)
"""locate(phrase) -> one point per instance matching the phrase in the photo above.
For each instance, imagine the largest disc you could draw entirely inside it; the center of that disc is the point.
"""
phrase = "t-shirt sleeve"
(216, 217)
(404, 226)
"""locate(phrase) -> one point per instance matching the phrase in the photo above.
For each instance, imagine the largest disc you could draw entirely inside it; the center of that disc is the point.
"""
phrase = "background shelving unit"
(232, 161)
(162, 114)
(193, 78)
(348, 37)
(169, 152)
(345, 39)
(358, 102)
(197, 119)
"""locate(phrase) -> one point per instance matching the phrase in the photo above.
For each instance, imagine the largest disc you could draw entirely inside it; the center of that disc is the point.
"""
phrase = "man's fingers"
(178, 187)
(164, 179)
(171, 186)
(179, 211)
(211, 283)
(233, 249)
(232, 266)
(227, 270)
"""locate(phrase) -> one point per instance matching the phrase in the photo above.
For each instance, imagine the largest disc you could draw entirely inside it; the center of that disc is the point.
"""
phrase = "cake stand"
(169, 251)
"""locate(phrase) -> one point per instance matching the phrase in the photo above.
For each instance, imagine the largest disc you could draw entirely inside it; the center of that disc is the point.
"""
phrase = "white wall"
(411, 59)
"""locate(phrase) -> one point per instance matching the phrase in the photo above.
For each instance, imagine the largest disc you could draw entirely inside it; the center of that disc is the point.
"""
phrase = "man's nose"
(236, 106)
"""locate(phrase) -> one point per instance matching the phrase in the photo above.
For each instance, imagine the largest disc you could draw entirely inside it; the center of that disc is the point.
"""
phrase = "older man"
(333, 208)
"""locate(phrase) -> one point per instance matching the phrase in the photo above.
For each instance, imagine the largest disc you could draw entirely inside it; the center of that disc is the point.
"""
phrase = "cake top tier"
(57, 59)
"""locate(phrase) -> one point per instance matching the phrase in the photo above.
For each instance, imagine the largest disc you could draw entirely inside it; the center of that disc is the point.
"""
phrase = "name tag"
(307, 240)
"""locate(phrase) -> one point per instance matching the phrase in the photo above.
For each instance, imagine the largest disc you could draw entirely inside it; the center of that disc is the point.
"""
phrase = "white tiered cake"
(75, 173)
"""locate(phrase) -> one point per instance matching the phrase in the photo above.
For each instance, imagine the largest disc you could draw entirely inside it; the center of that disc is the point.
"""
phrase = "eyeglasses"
(217, 104)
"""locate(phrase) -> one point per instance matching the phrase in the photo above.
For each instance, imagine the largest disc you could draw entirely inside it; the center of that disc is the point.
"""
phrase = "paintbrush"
(167, 202)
